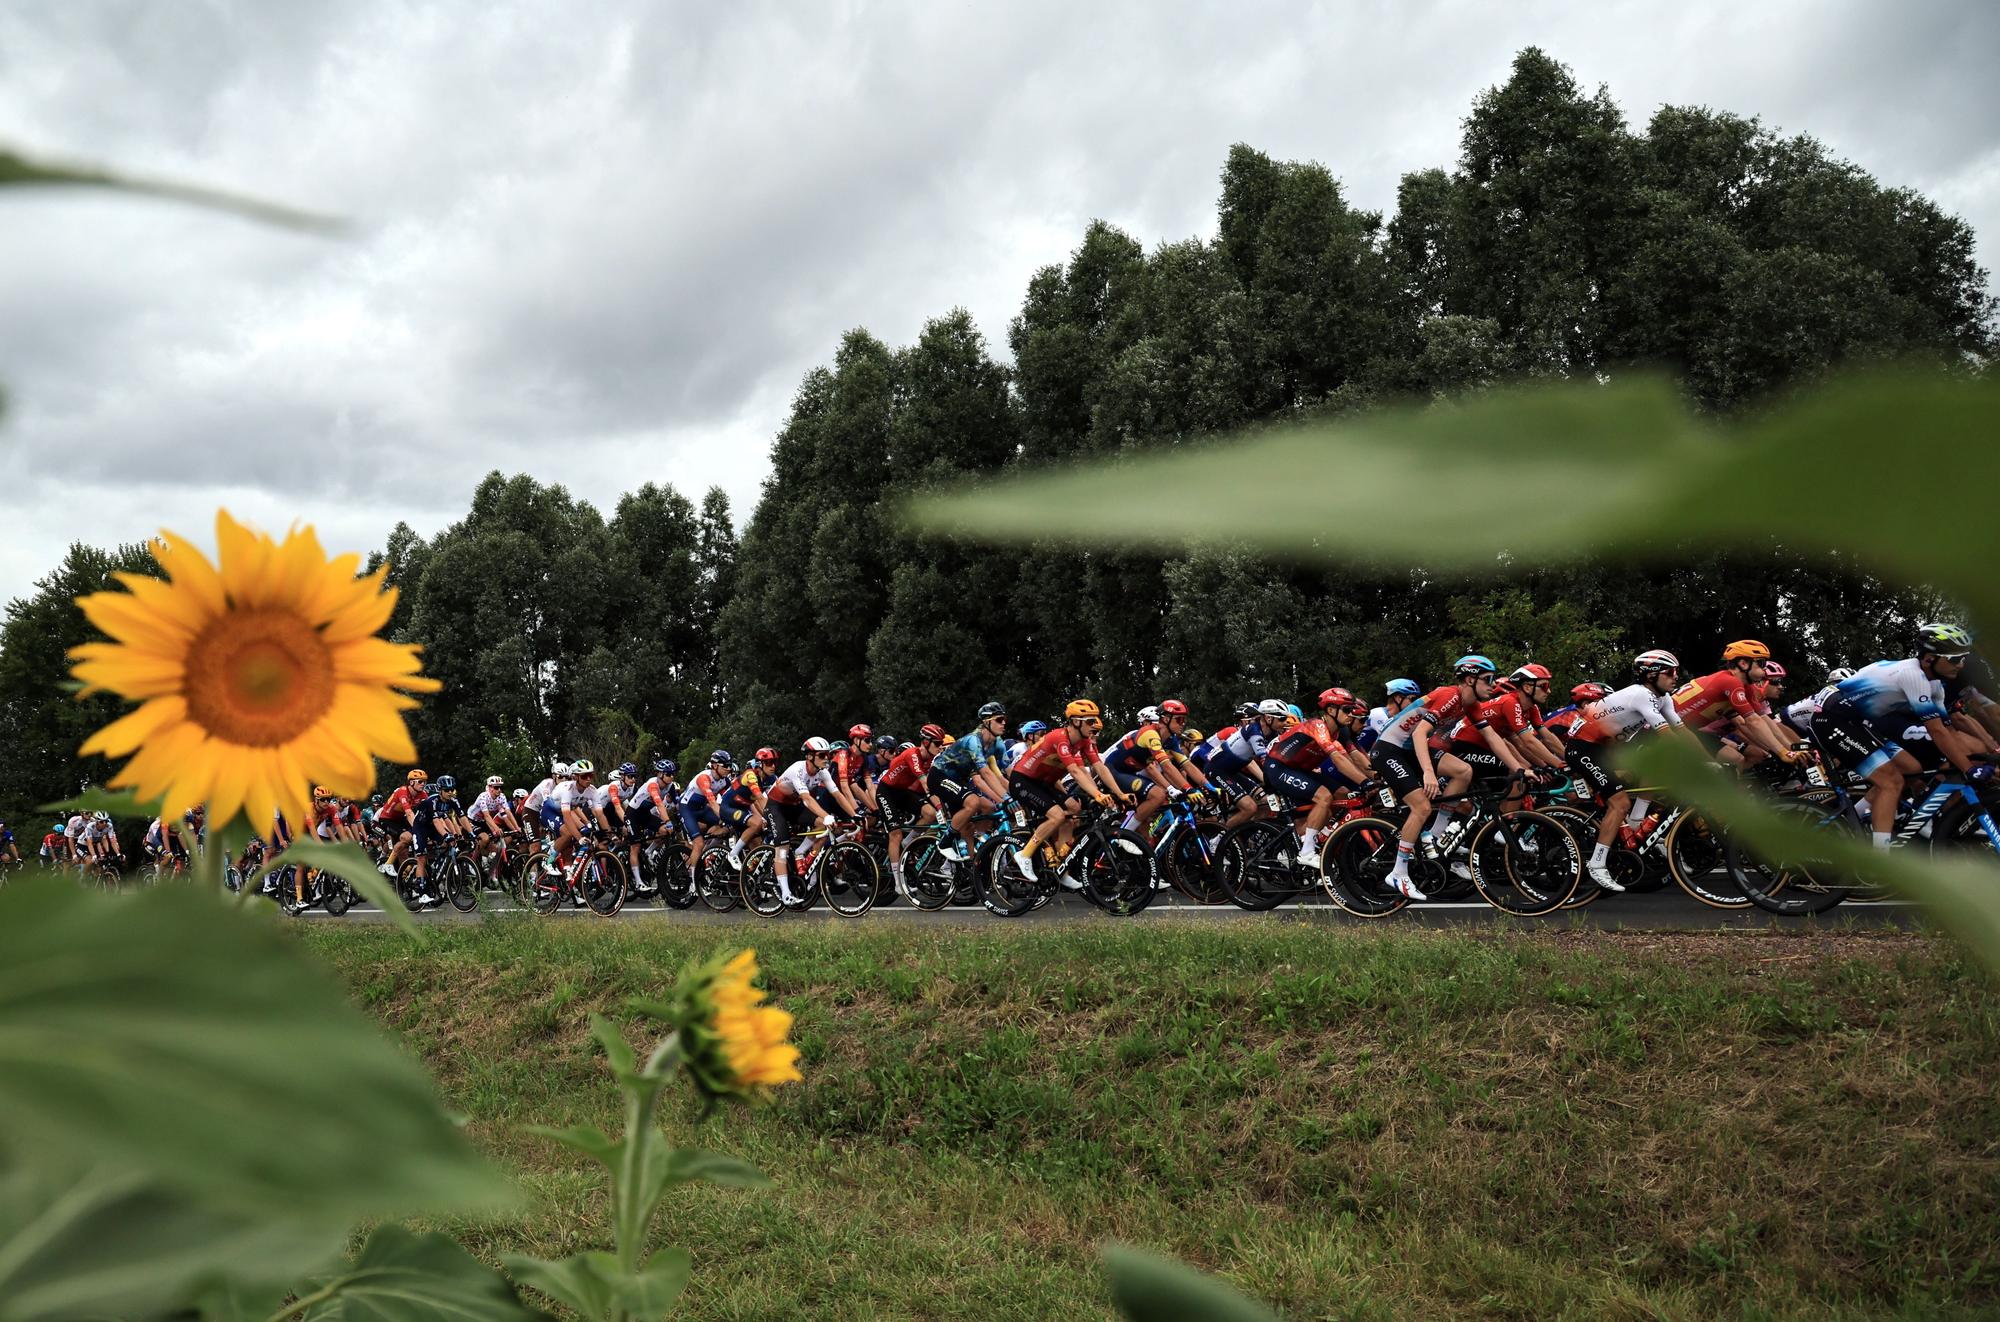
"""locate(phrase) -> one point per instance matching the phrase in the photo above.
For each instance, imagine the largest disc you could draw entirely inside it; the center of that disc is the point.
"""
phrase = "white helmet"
(1149, 715)
(816, 745)
(1273, 708)
(1655, 661)
(1838, 673)
(560, 770)
(494, 782)
(583, 766)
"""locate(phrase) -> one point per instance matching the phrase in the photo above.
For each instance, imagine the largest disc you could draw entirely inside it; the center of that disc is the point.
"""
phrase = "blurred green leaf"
(1148, 1288)
(684, 1165)
(119, 803)
(191, 1041)
(107, 1242)
(624, 1061)
(351, 864)
(17, 170)
(597, 1287)
(591, 1141)
(401, 1277)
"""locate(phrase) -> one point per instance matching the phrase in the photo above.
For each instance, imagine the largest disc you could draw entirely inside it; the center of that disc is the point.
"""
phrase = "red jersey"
(1440, 707)
(1507, 714)
(1305, 745)
(397, 806)
(1055, 753)
(906, 770)
(850, 766)
(1713, 698)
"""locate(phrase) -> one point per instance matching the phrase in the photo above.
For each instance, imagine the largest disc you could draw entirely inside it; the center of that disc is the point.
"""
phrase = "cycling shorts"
(1231, 786)
(948, 790)
(1485, 763)
(1037, 796)
(551, 816)
(1397, 766)
(1587, 763)
(422, 836)
(641, 820)
(1850, 740)
(1296, 786)
(786, 820)
(900, 806)
(698, 815)
(1135, 783)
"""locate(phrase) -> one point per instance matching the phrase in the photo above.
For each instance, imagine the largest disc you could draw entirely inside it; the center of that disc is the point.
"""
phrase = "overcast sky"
(601, 242)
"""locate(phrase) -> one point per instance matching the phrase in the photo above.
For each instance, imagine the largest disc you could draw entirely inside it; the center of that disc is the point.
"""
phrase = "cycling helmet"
(1473, 664)
(816, 745)
(520, 794)
(1334, 697)
(1033, 730)
(1404, 688)
(494, 782)
(993, 709)
(1773, 670)
(1505, 685)
(1531, 673)
(1746, 649)
(319, 793)
(561, 771)
(1246, 711)
(859, 732)
(374, 801)
(1655, 661)
(1274, 709)
(666, 766)
(100, 816)
(1292, 710)
(935, 733)
(1173, 707)
(583, 766)
(767, 754)
(446, 784)
(885, 742)
(1589, 691)
(1838, 673)
(59, 827)
(1081, 707)
(721, 755)
(840, 745)
(417, 776)
(1149, 716)
(1943, 640)
(1192, 735)
(905, 746)
(628, 770)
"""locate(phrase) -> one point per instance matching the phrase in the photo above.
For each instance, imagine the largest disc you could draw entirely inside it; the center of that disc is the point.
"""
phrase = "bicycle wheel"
(1256, 864)
(1525, 863)
(544, 890)
(1695, 861)
(848, 875)
(339, 895)
(1003, 888)
(758, 883)
(1190, 866)
(1582, 828)
(928, 872)
(1796, 886)
(461, 884)
(1354, 866)
(715, 882)
(603, 882)
(1118, 873)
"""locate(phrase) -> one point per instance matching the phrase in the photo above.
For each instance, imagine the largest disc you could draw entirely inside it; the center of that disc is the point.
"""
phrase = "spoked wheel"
(1695, 855)
(1003, 888)
(667, 865)
(1355, 862)
(461, 885)
(928, 872)
(339, 895)
(545, 891)
(603, 883)
(1256, 864)
(1525, 862)
(848, 876)
(715, 881)
(1190, 866)
(1795, 886)
(1118, 874)
(758, 883)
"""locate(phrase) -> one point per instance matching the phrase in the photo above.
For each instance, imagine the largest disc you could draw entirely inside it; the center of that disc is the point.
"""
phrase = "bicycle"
(594, 876)
(665, 858)
(1114, 867)
(1257, 864)
(450, 867)
(933, 875)
(838, 868)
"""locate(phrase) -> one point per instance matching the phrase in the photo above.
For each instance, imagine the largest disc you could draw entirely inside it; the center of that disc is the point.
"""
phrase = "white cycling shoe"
(1406, 888)
(1602, 878)
(1026, 864)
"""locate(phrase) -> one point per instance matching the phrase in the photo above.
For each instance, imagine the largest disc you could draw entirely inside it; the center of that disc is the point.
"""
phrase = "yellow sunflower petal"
(128, 620)
(369, 713)
(244, 555)
(370, 660)
(135, 728)
(170, 600)
(363, 614)
(191, 571)
(132, 675)
(234, 774)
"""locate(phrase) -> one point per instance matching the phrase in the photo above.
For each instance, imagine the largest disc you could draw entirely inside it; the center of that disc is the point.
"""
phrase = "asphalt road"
(1662, 911)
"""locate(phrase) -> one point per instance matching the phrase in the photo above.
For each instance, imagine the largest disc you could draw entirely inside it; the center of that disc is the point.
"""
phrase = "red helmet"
(1507, 685)
(1173, 707)
(859, 731)
(1531, 673)
(935, 733)
(1335, 697)
(767, 754)
(1589, 691)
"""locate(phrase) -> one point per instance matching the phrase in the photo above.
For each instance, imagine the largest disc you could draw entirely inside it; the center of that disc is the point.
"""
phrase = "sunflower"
(256, 680)
(735, 1045)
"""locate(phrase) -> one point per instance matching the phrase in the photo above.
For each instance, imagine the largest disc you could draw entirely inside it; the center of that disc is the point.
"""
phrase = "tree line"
(1563, 244)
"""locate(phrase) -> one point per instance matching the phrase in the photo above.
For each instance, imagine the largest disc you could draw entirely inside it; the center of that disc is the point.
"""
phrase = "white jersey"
(1800, 713)
(1378, 720)
(568, 794)
(795, 784)
(1626, 714)
(491, 803)
(1889, 690)
(539, 793)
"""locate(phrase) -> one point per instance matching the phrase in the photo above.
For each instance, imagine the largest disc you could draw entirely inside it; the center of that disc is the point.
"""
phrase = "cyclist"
(1798, 716)
(966, 775)
(901, 789)
(745, 808)
(1236, 756)
(1515, 717)
(100, 841)
(434, 818)
(1036, 782)
(1726, 703)
(701, 802)
(55, 845)
(161, 846)
(10, 850)
(1398, 695)
(652, 809)
(850, 768)
(537, 804)
(1402, 755)
(1307, 764)
(791, 803)
(394, 817)
(569, 804)
(1147, 762)
(1888, 696)
(491, 814)
(1622, 716)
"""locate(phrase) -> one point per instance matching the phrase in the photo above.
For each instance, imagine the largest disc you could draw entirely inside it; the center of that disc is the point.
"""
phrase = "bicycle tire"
(1004, 889)
(1119, 872)
(602, 880)
(1793, 889)
(1526, 882)
(849, 879)
(758, 883)
(339, 895)
(1189, 872)
(1695, 853)
(1355, 862)
(927, 879)
(1957, 833)
(1256, 864)
(545, 892)
(461, 885)
(1583, 829)
(716, 884)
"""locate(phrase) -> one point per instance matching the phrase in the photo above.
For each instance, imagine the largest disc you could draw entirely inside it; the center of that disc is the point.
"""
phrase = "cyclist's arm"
(1347, 766)
(1947, 742)
(1506, 752)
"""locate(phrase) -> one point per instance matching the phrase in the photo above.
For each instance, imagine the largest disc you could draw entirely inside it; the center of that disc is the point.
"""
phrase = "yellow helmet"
(1746, 649)
(416, 776)
(1192, 735)
(1079, 708)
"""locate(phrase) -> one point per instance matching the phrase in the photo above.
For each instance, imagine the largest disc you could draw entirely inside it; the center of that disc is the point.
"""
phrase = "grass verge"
(1347, 1124)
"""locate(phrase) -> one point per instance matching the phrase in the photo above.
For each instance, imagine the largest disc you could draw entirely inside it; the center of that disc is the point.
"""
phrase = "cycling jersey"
(74, 830)
(397, 806)
(743, 795)
(1625, 714)
(796, 783)
(850, 767)
(1137, 750)
(654, 795)
(1305, 745)
(1799, 715)
(1054, 754)
(907, 769)
(156, 835)
(1893, 693)
(962, 757)
(1440, 707)
(1378, 720)
(1245, 744)
(52, 844)
(607, 796)
(538, 795)
(1723, 696)
(490, 803)
(708, 786)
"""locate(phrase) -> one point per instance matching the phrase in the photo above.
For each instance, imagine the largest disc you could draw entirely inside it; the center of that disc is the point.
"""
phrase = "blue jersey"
(1893, 694)
(965, 756)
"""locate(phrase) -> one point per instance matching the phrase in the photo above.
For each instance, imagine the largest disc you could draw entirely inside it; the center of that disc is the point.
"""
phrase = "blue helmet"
(1473, 664)
(446, 784)
(1404, 688)
(666, 766)
(1293, 708)
(60, 827)
(628, 769)
(721, 758)
(1033, 730)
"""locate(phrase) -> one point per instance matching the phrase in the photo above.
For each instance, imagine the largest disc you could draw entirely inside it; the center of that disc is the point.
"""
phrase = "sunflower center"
(258, 677)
